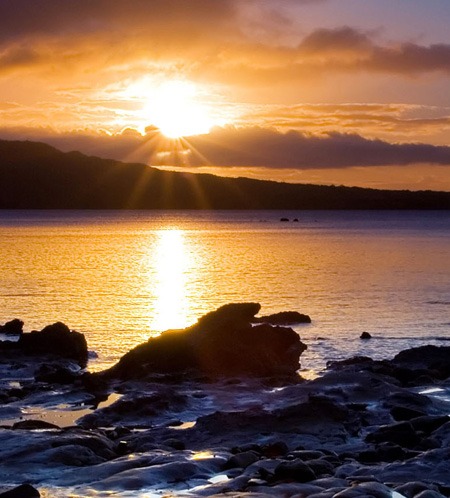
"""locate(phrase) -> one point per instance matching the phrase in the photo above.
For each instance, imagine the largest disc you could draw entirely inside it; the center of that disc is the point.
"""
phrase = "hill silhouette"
(35, 175)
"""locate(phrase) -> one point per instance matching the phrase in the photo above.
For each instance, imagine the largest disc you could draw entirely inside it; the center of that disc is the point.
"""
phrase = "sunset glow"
(330, 92)
(172, 107)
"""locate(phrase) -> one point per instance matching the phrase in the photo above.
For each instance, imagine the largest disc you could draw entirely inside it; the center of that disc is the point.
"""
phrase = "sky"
(341, 92)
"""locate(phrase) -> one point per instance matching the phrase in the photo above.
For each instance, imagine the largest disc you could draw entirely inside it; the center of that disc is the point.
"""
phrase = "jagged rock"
(56, 339)
(23, 491)
(284, 318)
(13, 327)
(223, 342)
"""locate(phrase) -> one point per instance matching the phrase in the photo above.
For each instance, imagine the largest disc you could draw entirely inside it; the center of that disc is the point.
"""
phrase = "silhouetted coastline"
(34, 175)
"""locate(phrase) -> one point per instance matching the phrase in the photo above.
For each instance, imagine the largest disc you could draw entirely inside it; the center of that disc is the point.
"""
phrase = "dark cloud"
(17, 56)
(27, 18)
(247, 147)
(409, 58)
(343, 39)
(263, 147)
(214, 40)
(405, 58)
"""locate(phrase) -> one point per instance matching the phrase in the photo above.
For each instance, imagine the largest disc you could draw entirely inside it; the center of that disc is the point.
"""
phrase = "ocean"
(121, 277)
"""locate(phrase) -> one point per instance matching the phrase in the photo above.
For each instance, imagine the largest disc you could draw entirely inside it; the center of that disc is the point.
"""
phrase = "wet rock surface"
(364, 429)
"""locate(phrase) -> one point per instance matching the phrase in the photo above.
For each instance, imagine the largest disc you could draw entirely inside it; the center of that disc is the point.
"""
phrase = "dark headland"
(218, 409)
(37, 176)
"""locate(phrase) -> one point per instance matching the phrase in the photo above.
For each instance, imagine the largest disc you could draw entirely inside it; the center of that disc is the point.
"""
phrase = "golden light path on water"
(172, 264)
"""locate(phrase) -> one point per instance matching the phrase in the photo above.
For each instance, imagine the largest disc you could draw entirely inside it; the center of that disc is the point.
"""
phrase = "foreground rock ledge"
(56, 340)
(222, 342)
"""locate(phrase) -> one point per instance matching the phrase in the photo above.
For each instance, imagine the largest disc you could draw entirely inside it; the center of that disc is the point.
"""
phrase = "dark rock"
(331, 482)
(96, 442)
(389, 452)
(122, 448)
(23, 491)
(30, 425)
(247, 447)
(296, 470)
(368, 457)
(241, 460)
(284, 318)
(75, 456)
(401, 413)
(366, 489)
(433, 360)
(284, 219)
(321, 467)
(223, 342)
(13, 327)
(356, 360)
(274, 450)
(407, 399)
(56, 339)
(295, 220)
(429, 424)
(384, 452)
(411, 489)
(55, 374)
(306, 455)
(365, 335)
(176, 444)
(429, 494)
(401, 433)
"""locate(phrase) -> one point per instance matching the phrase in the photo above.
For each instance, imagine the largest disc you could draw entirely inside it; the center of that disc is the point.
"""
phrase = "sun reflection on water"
(173, 264)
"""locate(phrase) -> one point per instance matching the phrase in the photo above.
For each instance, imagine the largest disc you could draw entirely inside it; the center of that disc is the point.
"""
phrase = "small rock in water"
(13, 327)
(23, 491)
(365, 335)
(284, 318)
(284, 219)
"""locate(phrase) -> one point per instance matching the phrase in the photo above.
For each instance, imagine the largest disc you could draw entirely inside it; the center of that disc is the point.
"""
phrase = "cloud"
(250, 147)
(263, 147)
(235, 42)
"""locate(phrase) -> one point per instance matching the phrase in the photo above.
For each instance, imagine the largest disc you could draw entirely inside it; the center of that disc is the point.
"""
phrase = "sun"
(175, 109)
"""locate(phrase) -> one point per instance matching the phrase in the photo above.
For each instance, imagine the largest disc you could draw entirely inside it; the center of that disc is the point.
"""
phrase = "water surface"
(121, 277)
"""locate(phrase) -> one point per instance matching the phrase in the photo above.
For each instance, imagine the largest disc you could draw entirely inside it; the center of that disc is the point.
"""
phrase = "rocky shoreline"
(218, 410)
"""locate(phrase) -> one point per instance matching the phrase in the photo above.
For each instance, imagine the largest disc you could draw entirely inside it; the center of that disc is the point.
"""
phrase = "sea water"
(122, 277)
